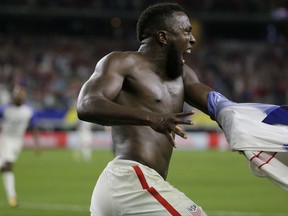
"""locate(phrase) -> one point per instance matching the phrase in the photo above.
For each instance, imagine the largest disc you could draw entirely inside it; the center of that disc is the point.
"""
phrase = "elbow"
(89, 117)
(82, 113)
(89, 114)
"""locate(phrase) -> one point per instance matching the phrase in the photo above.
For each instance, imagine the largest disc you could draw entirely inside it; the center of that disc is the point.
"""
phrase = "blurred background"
(52, 47)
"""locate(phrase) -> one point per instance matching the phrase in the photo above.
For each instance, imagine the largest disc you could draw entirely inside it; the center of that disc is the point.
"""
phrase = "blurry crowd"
(54, 68)
(191, 5)
(245, 71)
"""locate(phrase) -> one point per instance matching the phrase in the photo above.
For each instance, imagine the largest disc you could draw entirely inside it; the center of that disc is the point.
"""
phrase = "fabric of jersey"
(258, 130)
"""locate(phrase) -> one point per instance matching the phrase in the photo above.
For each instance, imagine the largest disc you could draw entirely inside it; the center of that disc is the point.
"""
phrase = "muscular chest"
(155, 93)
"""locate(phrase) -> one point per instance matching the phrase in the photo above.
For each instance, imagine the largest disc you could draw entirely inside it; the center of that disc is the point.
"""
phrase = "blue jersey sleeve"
(216, 102)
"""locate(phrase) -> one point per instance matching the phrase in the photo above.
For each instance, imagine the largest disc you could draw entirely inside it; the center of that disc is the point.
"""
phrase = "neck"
(154, 52)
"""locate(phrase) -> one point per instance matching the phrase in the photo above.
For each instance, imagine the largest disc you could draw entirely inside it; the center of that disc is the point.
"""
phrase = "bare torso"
(131, 92)
(143, 88)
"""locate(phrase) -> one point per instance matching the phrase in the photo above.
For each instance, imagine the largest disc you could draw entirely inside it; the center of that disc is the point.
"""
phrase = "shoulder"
(118, 62)
(189, 74)
(120, 57)
(28, 109)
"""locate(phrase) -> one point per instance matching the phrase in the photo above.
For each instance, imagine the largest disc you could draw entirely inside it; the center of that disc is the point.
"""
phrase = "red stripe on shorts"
(155, 193)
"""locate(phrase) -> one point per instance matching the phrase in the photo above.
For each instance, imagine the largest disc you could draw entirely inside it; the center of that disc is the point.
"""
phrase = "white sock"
(9, 184)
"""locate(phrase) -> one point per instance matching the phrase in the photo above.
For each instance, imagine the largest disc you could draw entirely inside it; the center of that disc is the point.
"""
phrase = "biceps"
(107, 87)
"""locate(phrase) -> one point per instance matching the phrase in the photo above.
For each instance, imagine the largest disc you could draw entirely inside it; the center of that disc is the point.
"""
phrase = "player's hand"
(168, 124)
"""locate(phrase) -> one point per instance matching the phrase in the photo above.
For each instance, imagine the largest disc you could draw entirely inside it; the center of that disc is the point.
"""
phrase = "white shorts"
(126, 187)
(9, 149)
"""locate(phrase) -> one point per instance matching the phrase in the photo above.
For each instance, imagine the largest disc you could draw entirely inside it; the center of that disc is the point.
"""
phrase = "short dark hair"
(154, 18)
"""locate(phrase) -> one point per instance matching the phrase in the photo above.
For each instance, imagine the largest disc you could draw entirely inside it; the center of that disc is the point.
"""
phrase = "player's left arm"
(196, 93)
(202, 96)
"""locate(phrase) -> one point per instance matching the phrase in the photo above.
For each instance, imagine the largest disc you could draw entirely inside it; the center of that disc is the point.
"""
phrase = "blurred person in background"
(83, 149)
(16, 117)
(4, 95)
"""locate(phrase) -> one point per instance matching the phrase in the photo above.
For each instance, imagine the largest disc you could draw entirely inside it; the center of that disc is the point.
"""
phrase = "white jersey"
(85, 128)
(15, 120)
(85, 133)
(260, 131)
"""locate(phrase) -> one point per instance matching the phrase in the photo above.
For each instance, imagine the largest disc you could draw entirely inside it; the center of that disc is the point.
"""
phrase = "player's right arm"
(96, 100)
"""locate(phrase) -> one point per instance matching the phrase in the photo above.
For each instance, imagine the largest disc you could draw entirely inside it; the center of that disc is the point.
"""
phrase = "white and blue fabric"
(258, 130)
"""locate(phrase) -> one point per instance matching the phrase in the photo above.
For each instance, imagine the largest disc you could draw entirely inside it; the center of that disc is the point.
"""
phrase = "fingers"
(179, 131)
(182, 115)
(184, 122)
(173, 127)
(185, 114)
(171, 139)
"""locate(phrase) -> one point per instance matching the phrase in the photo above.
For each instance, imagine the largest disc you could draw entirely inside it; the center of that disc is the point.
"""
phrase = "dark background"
(52, 47)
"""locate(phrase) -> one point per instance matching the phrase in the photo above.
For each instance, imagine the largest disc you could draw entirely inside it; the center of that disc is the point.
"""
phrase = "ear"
(162, 37)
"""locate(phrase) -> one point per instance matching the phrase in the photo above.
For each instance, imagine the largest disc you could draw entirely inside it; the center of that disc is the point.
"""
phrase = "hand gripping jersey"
(260, 131)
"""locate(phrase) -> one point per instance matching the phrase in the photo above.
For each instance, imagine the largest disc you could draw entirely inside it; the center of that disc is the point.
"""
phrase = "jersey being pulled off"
(260, 131)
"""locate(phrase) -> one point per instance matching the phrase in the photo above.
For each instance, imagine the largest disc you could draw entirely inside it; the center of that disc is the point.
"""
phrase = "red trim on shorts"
(155, 193)
(141, 177)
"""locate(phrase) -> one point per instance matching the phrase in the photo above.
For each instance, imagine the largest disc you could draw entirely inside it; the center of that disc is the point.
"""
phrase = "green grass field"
(53, 183)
